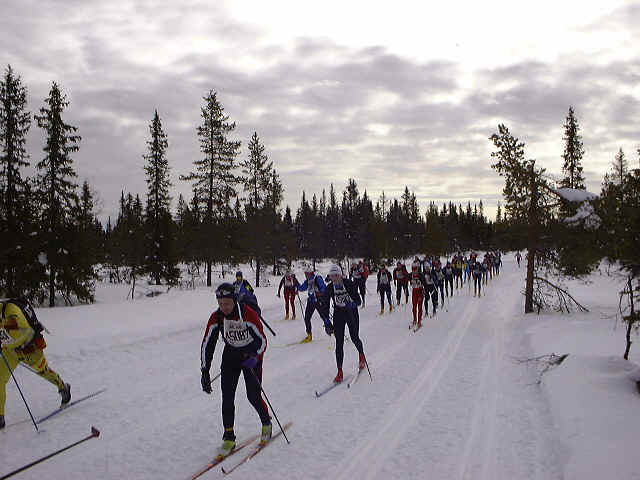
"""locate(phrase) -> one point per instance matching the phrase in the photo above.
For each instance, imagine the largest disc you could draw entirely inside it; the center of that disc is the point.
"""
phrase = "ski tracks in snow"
(470, 413)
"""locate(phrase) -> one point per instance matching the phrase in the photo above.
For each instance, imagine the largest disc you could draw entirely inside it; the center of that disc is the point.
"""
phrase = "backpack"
(28, 311)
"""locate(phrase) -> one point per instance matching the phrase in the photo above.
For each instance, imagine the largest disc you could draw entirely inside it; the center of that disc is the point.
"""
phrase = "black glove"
(206, 381)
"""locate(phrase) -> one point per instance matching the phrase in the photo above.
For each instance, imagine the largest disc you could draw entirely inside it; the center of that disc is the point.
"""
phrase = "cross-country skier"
(448, 279)
(244, 347)
(21, 341)
(345, 312)
(439, 280)
(291, 284)
(476, 272)
(401, 279)
(384, 287)
(316, 301)
(430, 291)
(458, 265)
(245, 293)
(417, 292)
(518, 258)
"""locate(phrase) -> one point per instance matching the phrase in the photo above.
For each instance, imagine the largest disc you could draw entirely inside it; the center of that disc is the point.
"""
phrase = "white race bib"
(340, 295)
(236, 333)
(5, 337)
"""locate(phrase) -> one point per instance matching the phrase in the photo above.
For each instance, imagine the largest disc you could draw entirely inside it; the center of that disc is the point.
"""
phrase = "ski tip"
(95, 432)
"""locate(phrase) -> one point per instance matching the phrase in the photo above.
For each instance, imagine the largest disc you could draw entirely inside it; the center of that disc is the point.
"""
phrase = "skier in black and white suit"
(346, 300)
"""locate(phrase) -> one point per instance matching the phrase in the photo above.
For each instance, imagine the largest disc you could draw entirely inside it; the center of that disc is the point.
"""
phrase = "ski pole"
(301, 307)
(95, 433)
(17, 385)
(267, 325)
(215, 378)
(267, 399)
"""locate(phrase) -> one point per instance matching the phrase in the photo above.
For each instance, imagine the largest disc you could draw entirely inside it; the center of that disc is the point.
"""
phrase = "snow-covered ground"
(448, 402)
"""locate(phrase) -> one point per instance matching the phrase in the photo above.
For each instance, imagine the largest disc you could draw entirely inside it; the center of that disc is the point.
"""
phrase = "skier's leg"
(254, 394)
(398, 292)
(308, 312)
(388, 290)
(37, 361)
(286, 303)
(353, 322)
(338, 333)
(228, 383)
(5, 375)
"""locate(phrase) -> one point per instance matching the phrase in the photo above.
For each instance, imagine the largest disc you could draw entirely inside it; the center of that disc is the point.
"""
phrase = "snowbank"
(593, 395)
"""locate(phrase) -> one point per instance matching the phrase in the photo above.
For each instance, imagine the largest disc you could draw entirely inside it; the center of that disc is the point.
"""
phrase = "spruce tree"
(213, 177)
(161, 261)
(56, 187)
(20, 273)
(572, 156)
(257, 173)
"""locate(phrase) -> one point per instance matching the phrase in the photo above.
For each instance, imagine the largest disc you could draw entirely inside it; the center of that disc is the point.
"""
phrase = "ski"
(256, 451)
(417, 327)
(217, 460)
(331, 387)
(349, 385)
(70, 404)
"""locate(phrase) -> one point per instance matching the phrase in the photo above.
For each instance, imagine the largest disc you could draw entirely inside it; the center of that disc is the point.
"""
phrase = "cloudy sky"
(390, 93)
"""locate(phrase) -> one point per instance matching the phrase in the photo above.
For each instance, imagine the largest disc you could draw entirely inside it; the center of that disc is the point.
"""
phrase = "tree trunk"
(258, 265)
(52, 286)
(630, 322)
(533, 240)
(209, 273)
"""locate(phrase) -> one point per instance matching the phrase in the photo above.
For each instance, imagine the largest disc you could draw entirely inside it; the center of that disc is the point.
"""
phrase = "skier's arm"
(304, 286)
(280, 286)
(17, 328)
(259, 343)
(209, 341)
(353, 292)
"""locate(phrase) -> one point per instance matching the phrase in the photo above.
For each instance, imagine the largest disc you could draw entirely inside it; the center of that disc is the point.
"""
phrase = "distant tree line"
(54, 246)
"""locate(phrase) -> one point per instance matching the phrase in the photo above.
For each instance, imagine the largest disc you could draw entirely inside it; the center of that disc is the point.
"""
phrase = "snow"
(586, 213)
(449, 402)
(575, 195)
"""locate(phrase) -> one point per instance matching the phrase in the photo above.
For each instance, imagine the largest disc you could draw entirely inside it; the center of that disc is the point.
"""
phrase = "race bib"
(5, 337)
(340, 296)
(416, 283)
(236, 333)
(384, 279)
(288, 282)
(400, 275)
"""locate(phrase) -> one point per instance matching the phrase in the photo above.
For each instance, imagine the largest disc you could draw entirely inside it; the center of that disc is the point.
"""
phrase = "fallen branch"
(548, 361)
(563, 304)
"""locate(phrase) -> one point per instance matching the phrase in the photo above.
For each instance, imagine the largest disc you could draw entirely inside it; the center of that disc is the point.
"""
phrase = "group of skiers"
(238, 321)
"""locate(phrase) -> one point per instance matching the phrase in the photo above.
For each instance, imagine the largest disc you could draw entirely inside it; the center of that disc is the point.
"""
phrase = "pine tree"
(20, 272)
(620, 167)
(214, 179)
(55, 183)
(161, 261)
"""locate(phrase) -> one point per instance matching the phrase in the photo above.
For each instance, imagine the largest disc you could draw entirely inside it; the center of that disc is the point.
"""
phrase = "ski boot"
(228, 444)
(390, 307)
(65, 393)
(307, 339)
(382, 310)
(286, 317)
(294, 316)
(1, 422)
(266, 434)
(362, 362)
(339, 377)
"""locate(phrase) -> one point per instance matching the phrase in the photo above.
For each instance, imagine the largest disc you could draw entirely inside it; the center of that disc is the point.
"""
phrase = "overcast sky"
(390, 93)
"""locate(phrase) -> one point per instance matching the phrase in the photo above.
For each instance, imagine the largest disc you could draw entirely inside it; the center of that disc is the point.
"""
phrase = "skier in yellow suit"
(22, 342)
